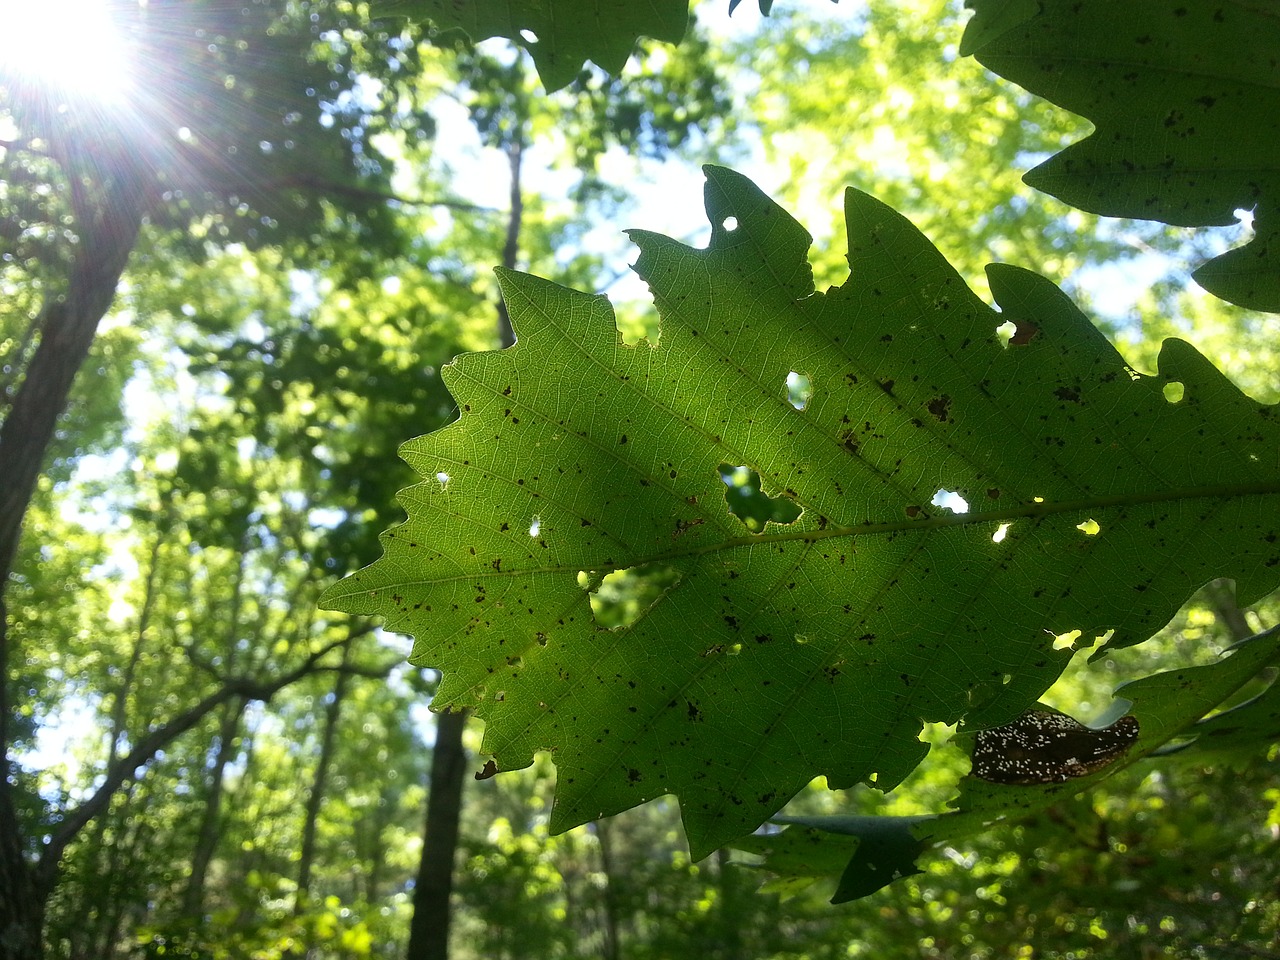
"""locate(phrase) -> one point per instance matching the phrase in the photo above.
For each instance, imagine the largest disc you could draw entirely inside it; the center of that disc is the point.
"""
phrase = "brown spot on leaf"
(940, 407)
(1026, 332)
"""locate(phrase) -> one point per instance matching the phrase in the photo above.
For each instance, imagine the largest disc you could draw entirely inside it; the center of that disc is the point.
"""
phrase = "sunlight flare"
(72, 46)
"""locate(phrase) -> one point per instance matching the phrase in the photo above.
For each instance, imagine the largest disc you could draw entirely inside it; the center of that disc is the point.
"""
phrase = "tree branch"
(365, 193)
(125, 768)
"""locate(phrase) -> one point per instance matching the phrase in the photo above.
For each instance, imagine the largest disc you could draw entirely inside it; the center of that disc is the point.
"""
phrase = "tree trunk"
(612, 918)
(511, 249)
(328, 737)
(207, 839)
(108, 215)
(429, 930)
(21, 903)
(731, 912)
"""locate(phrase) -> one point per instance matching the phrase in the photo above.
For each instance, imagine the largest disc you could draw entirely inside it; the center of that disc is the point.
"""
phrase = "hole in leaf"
(1173, 391)
(1005, 332)
(937, 733)
(1064, 641)
(799, 390)
(749, 503)
(1245, 217)
(1089, 528)
(528, 36)
(1002, 531)
(730, 224)
(950, 500)
(622, 597)
(535, 526)
(442, 478)
(1085, 641)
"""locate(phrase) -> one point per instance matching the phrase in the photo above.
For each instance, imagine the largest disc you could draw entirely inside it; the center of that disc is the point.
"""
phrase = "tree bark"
(328, 737)
(511, 249)
(108, 210)
(21, 904)
(730, 912)
(612, 915)
(432, 911)
(207, 839)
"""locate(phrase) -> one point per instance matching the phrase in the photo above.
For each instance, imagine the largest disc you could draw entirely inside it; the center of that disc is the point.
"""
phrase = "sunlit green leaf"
(820, 646)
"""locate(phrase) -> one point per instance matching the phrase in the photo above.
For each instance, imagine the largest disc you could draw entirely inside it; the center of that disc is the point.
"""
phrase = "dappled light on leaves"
(1067, 640)
(1045, 747)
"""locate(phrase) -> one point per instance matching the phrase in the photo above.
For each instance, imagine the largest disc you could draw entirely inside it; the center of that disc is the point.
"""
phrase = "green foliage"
(1166, 705)
(881, 101)
(1184, 100)
(883, 612)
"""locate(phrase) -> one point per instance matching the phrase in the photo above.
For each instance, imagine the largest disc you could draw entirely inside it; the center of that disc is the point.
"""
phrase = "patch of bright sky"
(72, 46)
(58, 766)
(1115, 288)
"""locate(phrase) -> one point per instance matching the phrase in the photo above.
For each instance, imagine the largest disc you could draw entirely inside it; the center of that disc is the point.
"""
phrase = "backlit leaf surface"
(560, 35)
(1186, 99)
(816, 647)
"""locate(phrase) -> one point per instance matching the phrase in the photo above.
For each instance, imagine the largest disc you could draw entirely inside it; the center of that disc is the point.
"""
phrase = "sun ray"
(71, 47)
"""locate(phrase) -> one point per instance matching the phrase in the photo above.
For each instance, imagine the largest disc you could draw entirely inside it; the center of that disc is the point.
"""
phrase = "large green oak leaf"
(560, 35)
(817, 647)
(1186, 100)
